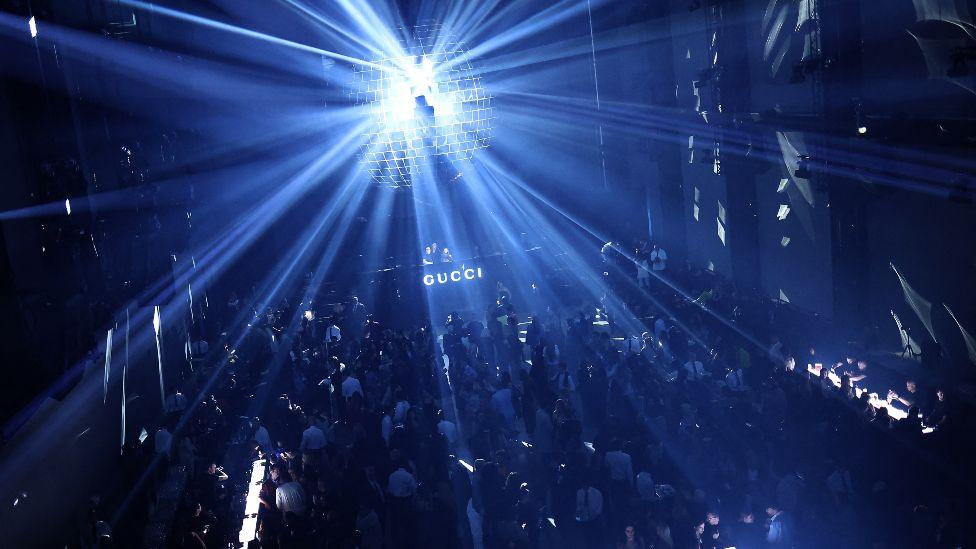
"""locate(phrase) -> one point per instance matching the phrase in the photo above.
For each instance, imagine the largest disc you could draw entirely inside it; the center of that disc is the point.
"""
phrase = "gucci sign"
(453, 276)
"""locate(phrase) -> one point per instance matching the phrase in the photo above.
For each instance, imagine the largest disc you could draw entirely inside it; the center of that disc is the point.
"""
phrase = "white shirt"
(659, 259)
(290, 498)
(262, 437)
(645, 486)
(659, 328)
(565, 382)
(351, 385)
(401, 484)
(643, 269)
(776, 533)
(163, 442)
(501, 401)
(176, 402)
(400, 411)
(589, 504)
(734, 380)
(449, 430)
(620, 465)
(313, 439)
(632, 345)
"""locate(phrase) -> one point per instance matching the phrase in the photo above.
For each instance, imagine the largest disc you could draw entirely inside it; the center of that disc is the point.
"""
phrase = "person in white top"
(290, 498)
(351, 386)
(446, 428)
(659, 258)
(262, 437)
(645, 486)
(333, 334)
(564, 381)
(175, 403)
(313, 439)
(400, 411)
(402, 484)
(660, 328)
(733, 379)
(589, 504)
(643, 273)
(163, 442)
(694, 367)
(620, 465)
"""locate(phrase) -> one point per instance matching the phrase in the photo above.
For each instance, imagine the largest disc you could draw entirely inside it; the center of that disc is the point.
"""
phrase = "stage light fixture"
(428, 107)
(860, 119)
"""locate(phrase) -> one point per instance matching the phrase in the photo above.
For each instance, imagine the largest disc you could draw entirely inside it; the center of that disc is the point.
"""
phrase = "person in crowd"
(313, 439)
(659, 258)
(911, 397)
(395, 441)
(694, 367)
(631, 539)
(350, 386)
(714, 534)
(779, 529)
(261, 437)
(643, 265)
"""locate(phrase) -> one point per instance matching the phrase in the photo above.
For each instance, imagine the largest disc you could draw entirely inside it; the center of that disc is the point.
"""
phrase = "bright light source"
(156, 321)
(428, 105)
(32, 23)
(784, 210)
(67, 205)
(862, 130)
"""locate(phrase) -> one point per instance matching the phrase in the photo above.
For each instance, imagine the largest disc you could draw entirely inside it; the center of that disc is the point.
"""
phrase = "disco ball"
(428, 107)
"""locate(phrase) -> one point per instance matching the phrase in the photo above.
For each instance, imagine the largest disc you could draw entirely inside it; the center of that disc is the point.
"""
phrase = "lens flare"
(427, 105)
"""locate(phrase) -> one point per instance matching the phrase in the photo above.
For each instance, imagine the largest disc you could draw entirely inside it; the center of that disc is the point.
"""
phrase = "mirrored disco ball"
(429, 109)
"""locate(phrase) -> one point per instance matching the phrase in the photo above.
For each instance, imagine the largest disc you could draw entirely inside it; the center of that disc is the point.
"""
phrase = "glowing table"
(249, 527)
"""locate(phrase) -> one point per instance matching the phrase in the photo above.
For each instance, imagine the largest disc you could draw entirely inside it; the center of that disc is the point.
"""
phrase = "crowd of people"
(549, 429)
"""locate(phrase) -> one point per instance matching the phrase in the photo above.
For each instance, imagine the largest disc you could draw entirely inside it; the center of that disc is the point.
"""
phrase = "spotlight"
(32, 25)
(428, 106)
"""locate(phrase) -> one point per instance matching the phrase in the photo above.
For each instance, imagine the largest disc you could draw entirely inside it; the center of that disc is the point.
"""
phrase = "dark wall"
(823, 242)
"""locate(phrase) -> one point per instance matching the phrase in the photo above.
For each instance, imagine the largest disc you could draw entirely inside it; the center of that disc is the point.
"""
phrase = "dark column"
(667, 185)
(841, 77)
(734, 89)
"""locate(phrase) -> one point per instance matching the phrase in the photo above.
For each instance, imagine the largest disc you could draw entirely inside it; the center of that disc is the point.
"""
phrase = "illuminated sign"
(451, 277)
